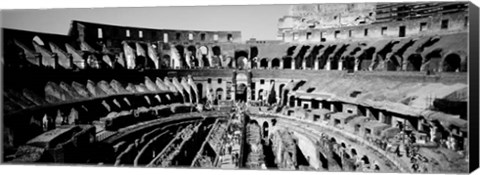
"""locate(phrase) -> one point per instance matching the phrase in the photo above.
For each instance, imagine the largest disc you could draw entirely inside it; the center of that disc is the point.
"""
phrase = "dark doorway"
(401, 31)
(287, 63)
(451, 63)
(275, 63)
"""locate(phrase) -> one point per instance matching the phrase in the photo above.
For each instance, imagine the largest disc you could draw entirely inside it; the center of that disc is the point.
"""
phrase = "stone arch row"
(409, 55)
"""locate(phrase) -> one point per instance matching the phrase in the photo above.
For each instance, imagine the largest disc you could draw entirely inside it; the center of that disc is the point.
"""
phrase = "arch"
(263, 63)
(241, 53)
(287, 62)
(324, 161)
(241, 62)
(275, 63)
(265, 129)
(241, 94)
(333, 140)
(451, 63)
(192, 50)
(414, 62)
(292, 101)
(204, 52)
(217, 51)
(343, 145)
(181, 52)
(253, 51)
(219, 93)
(165, 63)
(353, 151)
(260, 94)
(365, 159)
(366, 58)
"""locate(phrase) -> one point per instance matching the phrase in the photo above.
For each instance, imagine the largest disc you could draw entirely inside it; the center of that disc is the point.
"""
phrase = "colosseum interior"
(349, 87)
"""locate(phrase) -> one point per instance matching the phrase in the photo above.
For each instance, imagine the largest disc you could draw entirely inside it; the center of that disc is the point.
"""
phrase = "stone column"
(355, 67)
(332, 108)
(340, 65)
(381, 117)
(293, 63)
(327, 65)
(269, 64)
(249, 85)
(316, 65)
(281, 64)
(304, 64)
(234, 85)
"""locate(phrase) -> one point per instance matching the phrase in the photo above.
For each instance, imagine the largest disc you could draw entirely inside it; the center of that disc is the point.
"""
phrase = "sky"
(254, 21)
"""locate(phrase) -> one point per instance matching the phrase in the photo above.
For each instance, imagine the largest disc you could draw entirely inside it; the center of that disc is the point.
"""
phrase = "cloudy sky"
(259, 21)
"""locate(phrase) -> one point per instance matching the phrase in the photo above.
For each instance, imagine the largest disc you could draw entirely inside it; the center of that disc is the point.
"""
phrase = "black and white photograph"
(365, 87)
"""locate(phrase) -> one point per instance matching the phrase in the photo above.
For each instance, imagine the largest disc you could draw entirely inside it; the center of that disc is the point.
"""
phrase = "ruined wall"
(112, 35)
(328, 15)
(457, 22)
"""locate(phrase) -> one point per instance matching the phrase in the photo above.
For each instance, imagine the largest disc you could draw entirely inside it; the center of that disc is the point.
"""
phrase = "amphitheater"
(384, 96)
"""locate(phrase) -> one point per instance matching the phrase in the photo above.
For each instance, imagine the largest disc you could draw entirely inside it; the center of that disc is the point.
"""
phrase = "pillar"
(355, 67)
(304, 64)
(381, 116)
(316, 65)
(332, 107)
(327, 65)
(340, 65)
(269, 64)
(249, 85)
(281, 64)
(293, 63)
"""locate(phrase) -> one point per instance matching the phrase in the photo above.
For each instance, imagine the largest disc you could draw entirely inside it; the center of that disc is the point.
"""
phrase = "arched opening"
(343, 145)
(292, 101)
(200, 91)
(337, 159)
(181, 52)
(324, 161)
(242, 62)
(260, 94)
(287, 62)
(333, 140)
(253, 52)
(275, 63)
(241, 94)
(240, 53)
(323, 58)
(219, 93)
(365, 160)
(265, 129)
(433, 60)
(216, 50)
(165, 63)
(204, 53)
(452, 63)
(263, 63)
(192, 50)
(353, 152)
(366, 58)
(300, 57)
(414, 62)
